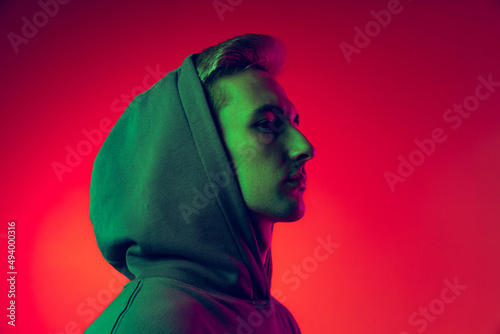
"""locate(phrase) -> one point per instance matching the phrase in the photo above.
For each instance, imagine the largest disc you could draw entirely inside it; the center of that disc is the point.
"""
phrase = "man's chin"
(285, 211)
(296, 212)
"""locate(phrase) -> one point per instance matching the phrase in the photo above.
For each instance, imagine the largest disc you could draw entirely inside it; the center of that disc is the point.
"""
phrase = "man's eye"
(265, 124)
(270, 125)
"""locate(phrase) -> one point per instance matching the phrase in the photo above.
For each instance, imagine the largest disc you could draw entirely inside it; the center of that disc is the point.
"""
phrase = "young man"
(187, 187)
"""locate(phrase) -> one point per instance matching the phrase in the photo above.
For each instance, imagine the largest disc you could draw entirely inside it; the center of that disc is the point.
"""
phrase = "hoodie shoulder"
(153, 306)
(286, 317)
(157, 305)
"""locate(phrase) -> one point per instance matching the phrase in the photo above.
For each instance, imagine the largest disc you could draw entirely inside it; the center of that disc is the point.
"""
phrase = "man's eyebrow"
(274, 108)
(269, 107)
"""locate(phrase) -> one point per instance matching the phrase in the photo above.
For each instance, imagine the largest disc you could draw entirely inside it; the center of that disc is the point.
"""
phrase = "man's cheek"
(265, 138)
(246, 153)
(242, 161)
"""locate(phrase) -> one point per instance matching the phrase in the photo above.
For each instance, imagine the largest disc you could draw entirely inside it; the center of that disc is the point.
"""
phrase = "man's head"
(258, 124)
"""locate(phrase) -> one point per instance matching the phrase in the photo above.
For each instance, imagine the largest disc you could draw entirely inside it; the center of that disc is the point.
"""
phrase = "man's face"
(259, 126)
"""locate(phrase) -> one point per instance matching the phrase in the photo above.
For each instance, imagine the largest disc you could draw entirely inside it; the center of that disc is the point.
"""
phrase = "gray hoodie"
(168, 213)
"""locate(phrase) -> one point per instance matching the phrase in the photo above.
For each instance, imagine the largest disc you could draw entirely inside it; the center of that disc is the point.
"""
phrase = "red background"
(396, 247)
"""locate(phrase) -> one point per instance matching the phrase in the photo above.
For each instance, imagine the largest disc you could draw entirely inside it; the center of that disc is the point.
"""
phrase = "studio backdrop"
(401, 99)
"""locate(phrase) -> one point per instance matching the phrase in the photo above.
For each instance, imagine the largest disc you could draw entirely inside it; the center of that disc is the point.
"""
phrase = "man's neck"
(263, 230)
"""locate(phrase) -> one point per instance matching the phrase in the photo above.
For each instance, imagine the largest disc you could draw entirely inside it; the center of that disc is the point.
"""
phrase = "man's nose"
(301, 150)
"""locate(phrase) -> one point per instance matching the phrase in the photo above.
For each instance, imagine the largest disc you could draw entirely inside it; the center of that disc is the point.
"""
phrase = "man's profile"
(187, 187)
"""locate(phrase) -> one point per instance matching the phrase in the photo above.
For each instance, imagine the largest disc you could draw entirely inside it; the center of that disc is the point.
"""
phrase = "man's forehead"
(257, 90)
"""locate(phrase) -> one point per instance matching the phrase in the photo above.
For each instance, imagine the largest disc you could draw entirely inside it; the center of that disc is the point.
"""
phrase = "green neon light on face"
(259, 126)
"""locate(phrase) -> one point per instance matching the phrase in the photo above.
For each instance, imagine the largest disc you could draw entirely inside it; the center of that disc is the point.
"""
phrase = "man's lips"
(297, 181)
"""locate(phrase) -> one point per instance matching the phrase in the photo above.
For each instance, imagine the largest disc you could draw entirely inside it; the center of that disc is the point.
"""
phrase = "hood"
(164, 200)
